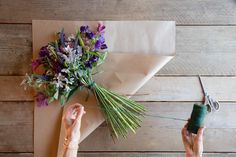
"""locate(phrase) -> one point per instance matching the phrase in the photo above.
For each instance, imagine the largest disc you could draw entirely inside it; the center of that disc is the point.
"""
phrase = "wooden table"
(205, 44)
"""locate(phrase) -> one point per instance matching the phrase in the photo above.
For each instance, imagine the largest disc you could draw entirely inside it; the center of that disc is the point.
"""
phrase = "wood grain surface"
(155, 133)
(159, 88)
(207, 12)
(197, 51)
(205, 44)
(139, 154)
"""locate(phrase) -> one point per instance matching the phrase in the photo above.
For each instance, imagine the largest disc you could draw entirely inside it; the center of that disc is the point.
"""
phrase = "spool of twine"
(197, 118)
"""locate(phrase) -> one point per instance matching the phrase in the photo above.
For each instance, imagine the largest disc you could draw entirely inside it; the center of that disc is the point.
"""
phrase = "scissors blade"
(202, 86)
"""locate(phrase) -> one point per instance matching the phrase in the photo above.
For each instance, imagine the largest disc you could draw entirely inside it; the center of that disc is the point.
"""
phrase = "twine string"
(197, 116)
(154, 115)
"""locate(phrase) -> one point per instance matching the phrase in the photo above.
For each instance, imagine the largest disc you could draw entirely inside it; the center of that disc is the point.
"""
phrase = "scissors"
(212, 104)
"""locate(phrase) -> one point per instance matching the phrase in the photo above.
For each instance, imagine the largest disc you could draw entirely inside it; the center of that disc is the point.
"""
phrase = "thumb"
(80, 113)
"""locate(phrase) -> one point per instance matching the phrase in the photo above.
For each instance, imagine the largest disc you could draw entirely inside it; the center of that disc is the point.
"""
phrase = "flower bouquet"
(68, 64)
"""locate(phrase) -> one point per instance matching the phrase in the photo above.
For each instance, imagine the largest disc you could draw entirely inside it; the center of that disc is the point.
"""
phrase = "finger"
(185, 139)
(186, 125)
(72, 107)
(66, 115)
(200, 132)
(69, 110)
(80, 111)
(69, 113)
(184, 135)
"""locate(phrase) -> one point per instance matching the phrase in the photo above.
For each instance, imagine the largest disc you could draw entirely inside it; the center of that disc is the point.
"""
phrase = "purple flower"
(88, 64)
(97, 44)
(90, 35)
(103, 46)
(84, 29)
(45, 77)
(43, 51)
(42, 99)
(101, 27)
(62, 37)
(93, 58)
(57, 67)
(102, 38)
(35, 64)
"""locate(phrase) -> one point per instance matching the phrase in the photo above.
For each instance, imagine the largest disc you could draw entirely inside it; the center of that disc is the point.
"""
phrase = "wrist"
(71, 144)
(72, 138)
(188, 155)
(192, 155)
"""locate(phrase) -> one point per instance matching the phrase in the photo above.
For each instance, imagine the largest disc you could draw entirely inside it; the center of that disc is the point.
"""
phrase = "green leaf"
(80, 72)
(93, 53)
(62, 100)
(72, 92)
(80, 40)
(102, 57)
(51, 99)
(56, 95)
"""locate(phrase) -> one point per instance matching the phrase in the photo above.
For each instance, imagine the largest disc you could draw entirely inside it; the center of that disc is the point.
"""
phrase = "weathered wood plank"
(159, 139)
(11, 90)
(217, 64)
(184, 12)
(156, 89)
(206, 39)
(16, 154)
(15, 49)
(203, 50)
(198, 50)
(16, 127)
(187, 89)
(153, 154)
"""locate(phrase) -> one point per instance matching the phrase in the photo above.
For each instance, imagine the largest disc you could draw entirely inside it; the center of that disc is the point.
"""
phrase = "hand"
(72, 122)
(193, 143)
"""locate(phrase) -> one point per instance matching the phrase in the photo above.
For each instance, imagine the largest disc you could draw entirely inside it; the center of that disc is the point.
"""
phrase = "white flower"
(65, 70)
(72, 55)
(63, 56)
(71, 81)
(68, 49)
(71, 37)
(67, 88)
(59, 80)
(79, 50)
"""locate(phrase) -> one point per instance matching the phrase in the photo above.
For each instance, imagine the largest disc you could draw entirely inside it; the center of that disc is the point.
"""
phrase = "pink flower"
(42, 99)
(101, 27)
(35, 64)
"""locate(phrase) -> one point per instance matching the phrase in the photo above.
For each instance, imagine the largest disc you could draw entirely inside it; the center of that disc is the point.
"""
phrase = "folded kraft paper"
(137, 51)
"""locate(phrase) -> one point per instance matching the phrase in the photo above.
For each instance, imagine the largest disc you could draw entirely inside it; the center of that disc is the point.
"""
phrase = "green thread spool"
(197, 118)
